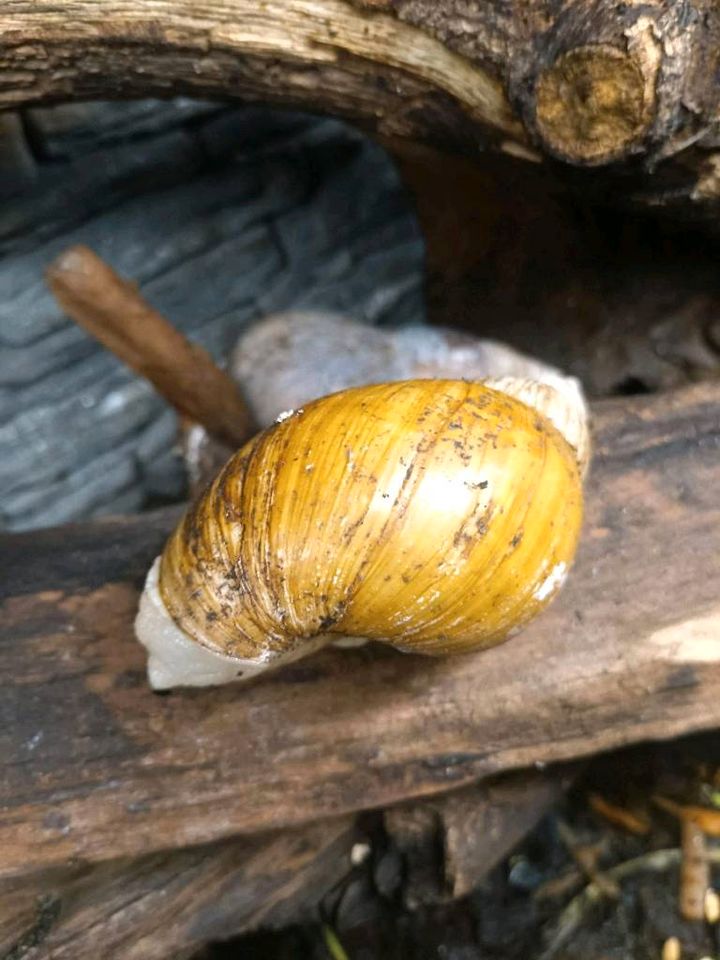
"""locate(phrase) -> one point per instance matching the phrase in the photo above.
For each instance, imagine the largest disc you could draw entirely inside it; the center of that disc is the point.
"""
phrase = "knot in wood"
(591, 104)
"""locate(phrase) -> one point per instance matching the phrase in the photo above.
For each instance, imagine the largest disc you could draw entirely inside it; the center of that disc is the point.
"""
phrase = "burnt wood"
(220, 215)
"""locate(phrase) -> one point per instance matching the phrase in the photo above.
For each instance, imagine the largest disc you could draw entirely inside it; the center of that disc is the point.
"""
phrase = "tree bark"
(591, 83)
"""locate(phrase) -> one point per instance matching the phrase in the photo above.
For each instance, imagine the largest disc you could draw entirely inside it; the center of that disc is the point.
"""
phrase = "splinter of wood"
(111, 310)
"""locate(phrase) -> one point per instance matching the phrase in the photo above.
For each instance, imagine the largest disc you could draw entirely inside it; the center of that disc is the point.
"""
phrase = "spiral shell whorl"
(436, 515)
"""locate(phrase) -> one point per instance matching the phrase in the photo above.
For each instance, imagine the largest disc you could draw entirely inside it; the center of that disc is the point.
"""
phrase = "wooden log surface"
(170, 904)
(95, 766)
(590, 83)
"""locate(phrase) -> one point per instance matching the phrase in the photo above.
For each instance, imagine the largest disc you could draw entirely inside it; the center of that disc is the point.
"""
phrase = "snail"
(435, 515)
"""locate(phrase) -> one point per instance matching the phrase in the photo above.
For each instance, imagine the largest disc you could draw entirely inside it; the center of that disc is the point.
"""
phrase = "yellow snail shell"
(434, 515)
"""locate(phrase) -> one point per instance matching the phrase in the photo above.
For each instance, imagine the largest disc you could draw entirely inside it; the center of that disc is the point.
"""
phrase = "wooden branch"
(587, 82)
(96, 767)
(113, 311)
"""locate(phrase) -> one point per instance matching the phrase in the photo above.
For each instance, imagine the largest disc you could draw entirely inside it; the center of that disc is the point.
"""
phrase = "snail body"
(437, 516)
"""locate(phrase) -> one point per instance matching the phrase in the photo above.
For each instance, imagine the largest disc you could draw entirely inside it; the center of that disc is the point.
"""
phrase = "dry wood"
(589, 82)
(481, 824)
(170, 904)
(694, 872)
(695, 865)
(96, 767)
(114, 312)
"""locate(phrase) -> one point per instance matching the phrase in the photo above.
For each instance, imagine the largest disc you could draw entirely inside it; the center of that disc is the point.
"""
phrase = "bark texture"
(590, 83)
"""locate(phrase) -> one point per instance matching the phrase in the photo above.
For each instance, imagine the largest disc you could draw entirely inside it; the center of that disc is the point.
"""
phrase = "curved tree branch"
(591, 83)
(313, 53)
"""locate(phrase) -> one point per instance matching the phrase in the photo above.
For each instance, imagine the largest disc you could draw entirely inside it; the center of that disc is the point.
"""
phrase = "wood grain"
(170, 904)
(630, 87)
(96, 767)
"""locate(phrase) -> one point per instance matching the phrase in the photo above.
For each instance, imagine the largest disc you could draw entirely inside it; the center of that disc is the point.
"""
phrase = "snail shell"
(434, 515)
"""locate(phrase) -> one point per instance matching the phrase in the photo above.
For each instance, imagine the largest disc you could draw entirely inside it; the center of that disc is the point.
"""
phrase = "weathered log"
(170, 904)
(587, 82)
(96, 767)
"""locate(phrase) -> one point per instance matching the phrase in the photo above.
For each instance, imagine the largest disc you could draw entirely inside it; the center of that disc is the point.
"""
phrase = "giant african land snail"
(437, 515)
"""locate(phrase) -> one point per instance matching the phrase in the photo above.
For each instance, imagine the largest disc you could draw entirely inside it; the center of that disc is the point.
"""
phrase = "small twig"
(706, 818)
(619, 816)
(586, 857)
(694, 871)
(112, 310)
(560, 886)
(695, 868)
